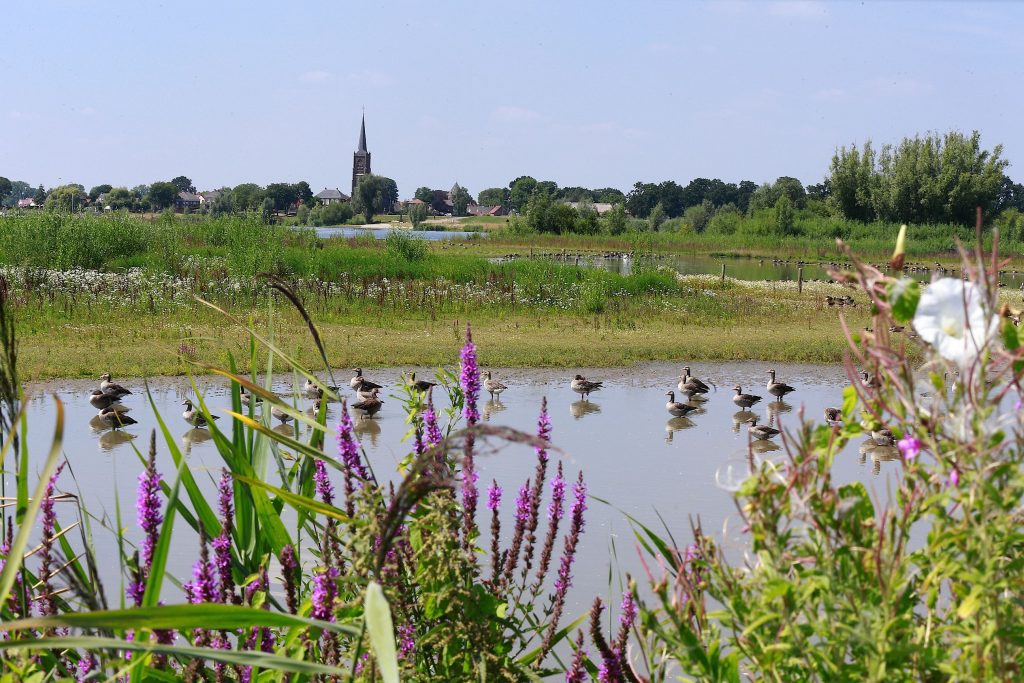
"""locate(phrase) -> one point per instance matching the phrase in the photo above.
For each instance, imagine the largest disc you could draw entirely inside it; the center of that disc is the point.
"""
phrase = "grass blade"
(381, 632)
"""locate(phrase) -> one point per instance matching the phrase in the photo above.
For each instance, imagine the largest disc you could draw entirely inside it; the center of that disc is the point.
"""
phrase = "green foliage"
(460, 200)
(406, 247)
(335, 213)
(615, 221)
(656, 217)
(494, 196)
(247, 197)
(784, 215)
(424, 194)
(374, 194)
(66, 198)
(417, 214)
(161, 195)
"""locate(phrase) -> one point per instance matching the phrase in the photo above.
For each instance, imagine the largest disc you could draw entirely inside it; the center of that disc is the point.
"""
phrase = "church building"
(361, 158)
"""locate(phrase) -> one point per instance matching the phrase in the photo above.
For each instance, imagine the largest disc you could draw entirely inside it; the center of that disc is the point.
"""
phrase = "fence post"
(800, 280)
(723, 273)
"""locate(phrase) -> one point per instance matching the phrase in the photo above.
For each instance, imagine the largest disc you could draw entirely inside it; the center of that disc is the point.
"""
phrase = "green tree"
(66, 198)
(336, 213)
(616, 220)
(183, 184)
(784, 215)
(424, 194)
(656, 217)
(586, 219)
(302, 215)
(698, 217)
(304, 192)
(40, 196)
(281, 195)
(460, 200)
(5, 189)
(161, 195)
(370, 195)
(95, 192)
(494, 196)
(521, 190)
(119, 198)
(417, 214)
(247, 197)
(388, 195)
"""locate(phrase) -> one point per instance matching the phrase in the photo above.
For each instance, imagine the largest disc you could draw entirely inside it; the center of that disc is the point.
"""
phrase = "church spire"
(362, 135)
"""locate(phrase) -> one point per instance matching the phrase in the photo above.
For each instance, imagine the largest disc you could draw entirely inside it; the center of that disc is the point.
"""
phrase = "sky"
(596, 94)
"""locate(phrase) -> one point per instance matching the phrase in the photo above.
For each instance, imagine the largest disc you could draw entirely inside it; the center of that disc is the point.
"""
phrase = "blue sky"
(583, 93)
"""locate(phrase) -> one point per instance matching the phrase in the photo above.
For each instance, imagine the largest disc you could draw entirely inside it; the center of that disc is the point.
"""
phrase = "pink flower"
(910, 446)
(954, 477)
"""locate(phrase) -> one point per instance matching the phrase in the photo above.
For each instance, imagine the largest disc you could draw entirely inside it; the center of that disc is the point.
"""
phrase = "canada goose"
(193, 416)
(493, 386)
(360, 382)
(280, 414)
(778, 389)
(371, 406)
(246, 397)
(108, 387)
(761, 431)
(101, 400)
(833, 416)
(687, 377)
(115, 419)
(883, 437)
(870, 382)
(584, 387)
(744, 400)
(691, 390)
(418, 385)
(675, 408)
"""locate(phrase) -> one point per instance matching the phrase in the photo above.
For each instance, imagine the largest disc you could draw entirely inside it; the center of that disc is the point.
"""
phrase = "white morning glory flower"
(951, 318)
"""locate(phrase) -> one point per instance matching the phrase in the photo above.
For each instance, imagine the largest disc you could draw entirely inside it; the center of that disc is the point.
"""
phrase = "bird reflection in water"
(193, 437)
(880, 454)
(764, 446)
(494, 406)
(112, 438)
(677, 424)
(774, 408)
(367, 428)
(741, 418)
(285, 429)
(581, 408)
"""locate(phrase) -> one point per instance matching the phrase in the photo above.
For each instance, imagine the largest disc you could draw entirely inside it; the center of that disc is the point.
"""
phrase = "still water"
(632, 453)
(382, 233)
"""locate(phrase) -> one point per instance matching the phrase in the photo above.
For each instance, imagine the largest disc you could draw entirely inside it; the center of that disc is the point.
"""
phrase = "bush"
(336, 213)
(405, 247)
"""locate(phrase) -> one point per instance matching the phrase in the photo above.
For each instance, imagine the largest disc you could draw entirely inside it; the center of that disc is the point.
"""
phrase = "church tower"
(361, 158)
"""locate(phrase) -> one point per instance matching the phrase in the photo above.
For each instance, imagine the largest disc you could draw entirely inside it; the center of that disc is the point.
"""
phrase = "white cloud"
(800, 9)
(315, 76)
(513, 114)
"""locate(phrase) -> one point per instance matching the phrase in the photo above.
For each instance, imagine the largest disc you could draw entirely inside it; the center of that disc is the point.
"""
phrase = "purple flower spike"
(290, 570)
(433, 431)
(323, 482)
(494, 496)
(406, 641)
(543, 429)
(523, 504)
(325, 591)
(555, 508)
(629, 611)
(148, 509)
(85, 666)
(954, 477)
(348, 446)
(47, 605)
(469, 378)
(222, 544)
(201, 588)
(910, 447)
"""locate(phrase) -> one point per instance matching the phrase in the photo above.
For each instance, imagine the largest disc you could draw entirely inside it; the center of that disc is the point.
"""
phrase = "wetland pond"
(632, 453)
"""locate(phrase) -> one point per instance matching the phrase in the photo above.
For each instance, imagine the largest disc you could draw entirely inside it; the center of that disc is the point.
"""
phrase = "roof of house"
(415, 200)
(189, 197)
(26, 203)
(327, 193)
(480, 210)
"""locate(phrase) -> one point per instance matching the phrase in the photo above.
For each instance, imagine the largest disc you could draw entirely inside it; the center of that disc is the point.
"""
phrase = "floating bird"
(493, 386)
(870, 382)
(359, 382)
(113, 418)
(312, 390)
(418, 385)
(833, 416)
(883, 437)
(107, 386)
(675, 408)
(280, 414)
(246, 397)
(778, 389)
(584, 387)
(687, 377)
(371, 406)
(691, 389)
(761, 431)
(193, 416)
(744, 400)
(101, 400)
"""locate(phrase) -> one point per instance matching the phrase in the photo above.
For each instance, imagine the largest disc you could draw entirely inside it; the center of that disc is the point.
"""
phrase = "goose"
(493, 386)
(113, 418)
(313, 391)
(691, 390)
(418, 385)
(870, 382)
(247, 398)
(761, 431)
(675, 408)
(744, 401)
(193, 416)
(833, 416)
(687, 377)
(371, 406)
(280, 414)
(883, 437)
(584, 387)
(778, 389)
(100, 400)
(358, 381)
(108, 386)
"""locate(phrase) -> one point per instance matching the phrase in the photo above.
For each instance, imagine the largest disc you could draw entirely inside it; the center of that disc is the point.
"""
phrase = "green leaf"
(1010, 337)
(970, 604)
(381, 632)
(903, 296)
(849, 403)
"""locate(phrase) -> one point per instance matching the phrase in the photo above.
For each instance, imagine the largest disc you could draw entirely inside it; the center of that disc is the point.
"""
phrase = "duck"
(870, 382)
(675, 408)
(114, 418)
(833, 416)
(107, 386)
(778, 389)
(744, 401)
(100, 399)
(883, 437)
(371, 406)
(359, 382)
(687, 377)
(761, 431)
(193, 416)
(246, 397)
(584, 387)
(417, 384)
(493, 386)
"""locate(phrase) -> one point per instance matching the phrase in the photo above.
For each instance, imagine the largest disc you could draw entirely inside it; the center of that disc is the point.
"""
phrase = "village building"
(187, 201)
(327, 196)
(361, 158)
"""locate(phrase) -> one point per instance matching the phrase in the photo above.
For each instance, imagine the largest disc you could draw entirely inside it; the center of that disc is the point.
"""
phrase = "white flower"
(951, 318)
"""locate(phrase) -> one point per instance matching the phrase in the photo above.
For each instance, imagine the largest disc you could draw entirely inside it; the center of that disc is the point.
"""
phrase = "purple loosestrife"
(406, 641)
(522, 517)
(290, 572)
(541, 473)
(86, 664)
(469, 379)
(432, 429)
(494, 503)
(564, 577)
(555, 512)
(910, 447)
(13, 603)
(222, 544)
(324, 488)
(47, 604)
(577, 673)
(627, 617)
(325, 591)
(609, 670)
(201, 585)
(147, 507)
(348, 446)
